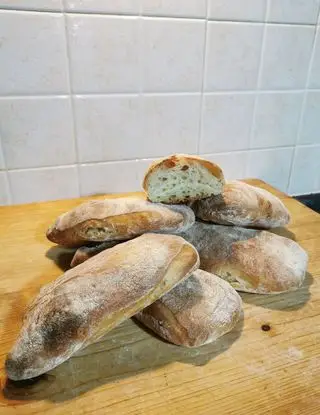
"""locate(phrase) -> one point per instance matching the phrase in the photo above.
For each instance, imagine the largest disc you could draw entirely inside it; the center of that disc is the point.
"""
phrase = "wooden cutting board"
(269, 365)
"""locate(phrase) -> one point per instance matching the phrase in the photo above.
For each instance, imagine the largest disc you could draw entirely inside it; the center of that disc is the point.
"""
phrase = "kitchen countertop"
(270, 364)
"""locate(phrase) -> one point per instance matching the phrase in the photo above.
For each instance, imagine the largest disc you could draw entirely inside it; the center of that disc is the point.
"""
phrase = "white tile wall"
(33, 53)
(172, 54)
(226, 122)
(315, 68)
(182, 8)
(104, 53)
(103, 6)
(294, 11)
(286, 56)
(277, 119)
(47, 5)
(232, 56)
(245, 10)
(37, 131)
(272, 166)
(34, 185)
(91, 91)
(305, 177)
(4, 189)
(310, 133)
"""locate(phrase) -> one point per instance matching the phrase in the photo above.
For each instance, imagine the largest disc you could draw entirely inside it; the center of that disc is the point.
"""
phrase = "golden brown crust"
(198, 311)
(83, 253)
(241, 204)
(184, 159)
(92, 298)
(251, 260)
(117, 219)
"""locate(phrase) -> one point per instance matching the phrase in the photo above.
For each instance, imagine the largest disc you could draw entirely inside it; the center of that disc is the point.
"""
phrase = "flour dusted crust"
(250, 260)
(182, 178)
(83, 253)
(198, 311)
(241, 204)
(89, 300)
(117, 219)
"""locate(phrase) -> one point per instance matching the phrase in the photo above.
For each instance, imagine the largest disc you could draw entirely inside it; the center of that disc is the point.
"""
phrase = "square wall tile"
(305, 176)
(310, 129)
(4, 189)
(183, 8)
(108, 127)
(277, 119)
(37, 185)
(37, 131)
(286, 56)
(33, 59)
(314, 81)
(48, 5)
(226, 122)
(170, 124)
(233, 55)
(103, 6)
(104, 53)
(234, 165)
(109, 178)
(172, 51)
(294, 11)
(128, 127)
(246, 10)
(272, 166)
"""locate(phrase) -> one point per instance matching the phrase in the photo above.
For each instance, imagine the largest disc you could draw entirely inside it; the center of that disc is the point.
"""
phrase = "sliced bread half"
(182, 178)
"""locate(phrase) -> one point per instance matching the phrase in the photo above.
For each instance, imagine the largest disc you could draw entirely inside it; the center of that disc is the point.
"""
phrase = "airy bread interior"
(182, 183)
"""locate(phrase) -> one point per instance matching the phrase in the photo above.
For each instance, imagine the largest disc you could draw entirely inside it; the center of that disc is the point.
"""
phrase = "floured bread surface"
(241, 204)
(250, 260)
(92, 298)
(198, 311)
(117, 219)
(182, 178)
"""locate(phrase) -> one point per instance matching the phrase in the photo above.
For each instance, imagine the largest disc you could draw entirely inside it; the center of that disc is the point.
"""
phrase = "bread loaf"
(83, 253)
(117, 219)
(241, 204)
(92, 298)
(181, 178)
(250, 260)
(198, 311)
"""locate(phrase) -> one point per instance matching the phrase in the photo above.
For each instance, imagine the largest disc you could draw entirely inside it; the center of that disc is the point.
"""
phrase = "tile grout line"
(66, 11)
(258, 84)
(204, 63)
(303, 105)
(132, 94)
(74, 126)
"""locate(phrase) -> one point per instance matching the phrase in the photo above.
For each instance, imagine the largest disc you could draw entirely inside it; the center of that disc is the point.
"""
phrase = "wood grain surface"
(270, 364)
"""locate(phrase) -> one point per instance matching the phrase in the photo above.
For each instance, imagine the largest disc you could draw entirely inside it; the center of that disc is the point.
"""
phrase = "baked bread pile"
(174, 261)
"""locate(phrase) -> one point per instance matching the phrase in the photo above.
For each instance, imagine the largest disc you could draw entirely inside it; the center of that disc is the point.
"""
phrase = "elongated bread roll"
(250, 260)
(117, 219)
(198, 311)
(241, 204)
(182, 178)
(92, 298)
(85, 252)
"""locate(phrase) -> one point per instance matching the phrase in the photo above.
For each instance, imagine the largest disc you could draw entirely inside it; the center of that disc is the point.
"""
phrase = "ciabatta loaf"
(241, 204)
(250, 260)
(92, 298)
(198, 311)
(182, 178)
(117, 219)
